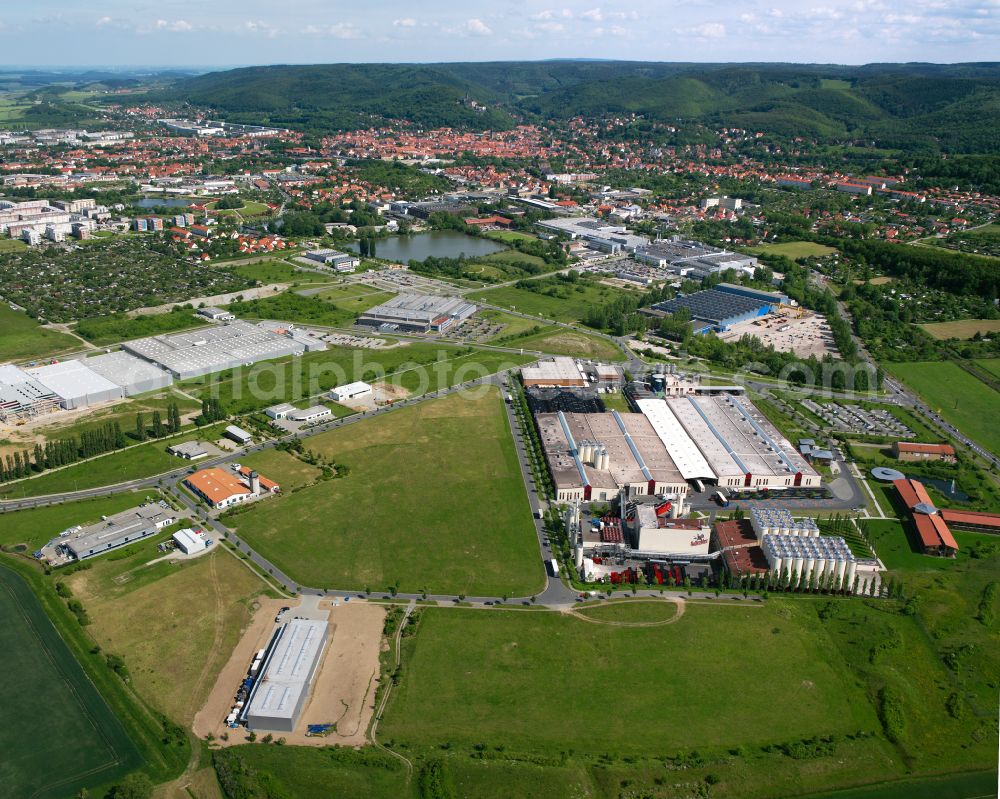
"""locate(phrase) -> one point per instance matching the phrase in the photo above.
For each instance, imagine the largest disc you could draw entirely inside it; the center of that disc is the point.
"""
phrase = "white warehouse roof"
(76, 384)
(685, 453)
(133, 374)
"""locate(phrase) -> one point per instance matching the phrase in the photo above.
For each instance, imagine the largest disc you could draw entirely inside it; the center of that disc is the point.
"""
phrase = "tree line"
(62, 452)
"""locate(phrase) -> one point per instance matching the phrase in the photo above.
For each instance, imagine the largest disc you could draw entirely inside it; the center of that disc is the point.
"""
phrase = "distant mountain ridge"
(953, 107)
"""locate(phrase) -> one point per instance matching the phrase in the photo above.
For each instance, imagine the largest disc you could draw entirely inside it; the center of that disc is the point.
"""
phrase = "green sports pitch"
(58, 736)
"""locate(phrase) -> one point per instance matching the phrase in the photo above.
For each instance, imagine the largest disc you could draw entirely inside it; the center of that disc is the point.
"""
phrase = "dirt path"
(679, 604)
(388, 690)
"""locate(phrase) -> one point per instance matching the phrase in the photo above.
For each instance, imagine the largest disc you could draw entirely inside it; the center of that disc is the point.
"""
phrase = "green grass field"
(12, 245)
(571, 303)
(23, 338)
(285, 469)
(560, 341)
(276, 272)
(104, 330)
(956, 395)
(991, 365)
(433, 498)
(963, 329)
(794, 249)
(61, 736)
(355, 297)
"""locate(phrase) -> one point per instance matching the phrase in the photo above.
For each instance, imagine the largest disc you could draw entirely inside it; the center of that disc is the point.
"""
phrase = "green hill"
(913, 106)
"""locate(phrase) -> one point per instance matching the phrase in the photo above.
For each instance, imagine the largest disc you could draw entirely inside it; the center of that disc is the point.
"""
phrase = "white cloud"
(476, 27)
(408, 22)
(562, 13)
(343, 30)
(551, 27)
(707, 30)
(177, 26)
(594, 15)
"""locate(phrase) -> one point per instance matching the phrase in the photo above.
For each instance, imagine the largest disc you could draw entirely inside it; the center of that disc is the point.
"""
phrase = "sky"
(216, 33)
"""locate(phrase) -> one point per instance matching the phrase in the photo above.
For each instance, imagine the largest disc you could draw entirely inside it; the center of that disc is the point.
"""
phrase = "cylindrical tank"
(776, 562)
(579, 556)
(605, 459)
(797, 564)
(587, 452)
(852, 570)
(841, 568)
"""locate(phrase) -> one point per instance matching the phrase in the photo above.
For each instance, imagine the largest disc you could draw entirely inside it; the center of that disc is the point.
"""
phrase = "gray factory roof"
(420, 308)
(131, 373)
(288, 671)
(712, 306)
(112, 531)
(73, 380)
(824, 547)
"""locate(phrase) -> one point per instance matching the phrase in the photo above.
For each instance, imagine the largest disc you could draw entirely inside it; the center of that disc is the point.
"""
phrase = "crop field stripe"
(120, 752)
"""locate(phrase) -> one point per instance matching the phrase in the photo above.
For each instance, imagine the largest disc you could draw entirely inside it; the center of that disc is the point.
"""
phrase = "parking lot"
(848, 418)
(787, 331)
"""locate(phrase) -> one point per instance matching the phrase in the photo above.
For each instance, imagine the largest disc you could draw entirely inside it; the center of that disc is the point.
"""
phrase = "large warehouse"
(280, 693)
(115, 531)
(417, 313)
(725, 439)
(718, 309)
(134, 375)
(693, 259)
(557, 372)
(214, 349)
(23, 397)
(592, 456)
(75, 384)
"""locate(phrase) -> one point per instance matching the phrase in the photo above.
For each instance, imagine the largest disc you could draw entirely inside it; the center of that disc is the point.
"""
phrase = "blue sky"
(236, 32)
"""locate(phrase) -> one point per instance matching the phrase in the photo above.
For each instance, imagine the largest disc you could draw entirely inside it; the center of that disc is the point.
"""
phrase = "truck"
(539, 513)
(554, 567)
(721, 498)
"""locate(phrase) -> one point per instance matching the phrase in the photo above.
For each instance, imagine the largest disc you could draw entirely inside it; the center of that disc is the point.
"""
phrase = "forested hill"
(953, 108)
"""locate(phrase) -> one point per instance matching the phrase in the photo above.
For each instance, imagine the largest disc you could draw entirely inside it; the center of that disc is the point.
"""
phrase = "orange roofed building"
(221, 488)
(932, 529)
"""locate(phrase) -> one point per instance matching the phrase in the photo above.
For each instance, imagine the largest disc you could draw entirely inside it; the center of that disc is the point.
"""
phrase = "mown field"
(560, 341)
(794, 249)
(563, 303)
(59, 735)
(956, 395)
(285, 469)
(276, 271)
(962, 329)
(104, 330)
(433, 498)
(991, 365)
(355, 297)
(22, 338)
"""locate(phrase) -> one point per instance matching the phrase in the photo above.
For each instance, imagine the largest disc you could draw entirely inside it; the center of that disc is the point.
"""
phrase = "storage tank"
(797, 564)
(605, 459)
(587, 452)
(841, 568)
(852, 569)
(578, 555)
(776, 561)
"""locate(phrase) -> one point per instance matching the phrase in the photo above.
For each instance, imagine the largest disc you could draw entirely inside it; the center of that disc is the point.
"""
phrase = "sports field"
(956, 395)
(794, 249)
(963, 329)
(23, 338)
(58, 734)
(433, 498)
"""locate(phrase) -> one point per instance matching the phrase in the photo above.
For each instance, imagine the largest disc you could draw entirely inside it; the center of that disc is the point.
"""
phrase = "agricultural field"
(23, 338)
(141, 611)
(432, 498)
(963, 329)
(956, 395)
(282, 467)
(565, 302)
(537, 687)
(794, 249)
(51, 702)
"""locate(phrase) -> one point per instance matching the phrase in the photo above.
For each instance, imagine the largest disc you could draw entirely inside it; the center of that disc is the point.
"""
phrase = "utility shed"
(280, 694)
(75, 384)
(134, 375)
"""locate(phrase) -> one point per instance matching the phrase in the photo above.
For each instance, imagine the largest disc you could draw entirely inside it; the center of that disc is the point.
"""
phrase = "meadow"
(61, 736)
(962, 329)
(123, 412)
(565, 302)
(956, 395)
(794, 249)
(561, 341)
(432, 498)
(276, 271)
(104, 330)
(23, 338)
(285, 469)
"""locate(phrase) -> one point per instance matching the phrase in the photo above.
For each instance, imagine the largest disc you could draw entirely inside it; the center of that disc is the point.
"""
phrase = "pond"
(437, 244)
(163, 202)
(946, 487)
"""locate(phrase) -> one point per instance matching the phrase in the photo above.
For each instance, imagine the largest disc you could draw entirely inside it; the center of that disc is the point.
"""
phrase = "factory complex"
(282, 677)
(717, 309)
(134, 524)
(692, 259)
(417, 313)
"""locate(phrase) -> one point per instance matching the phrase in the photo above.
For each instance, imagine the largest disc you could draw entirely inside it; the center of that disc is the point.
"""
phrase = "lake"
(163, 202)
(437, 244)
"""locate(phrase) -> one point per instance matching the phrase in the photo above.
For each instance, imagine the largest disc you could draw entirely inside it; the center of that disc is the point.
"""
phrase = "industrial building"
(189, 450)
(568, 400)
(190, 542)
(778, 520)
(597, 234)
(340, 261)
(221, 488)
(214, 349)
(739, 547)
(558, 372)
(279, 695)
(801, 559)
(593, 456)
(726, 440)
(22, 397)
(311, 414)
(115, 531)
(237, 434)
(656, 530)
(75, 384)
(134, 375)
(216, 314)
(417, 313)
(718, 309)
(350, 391)
(692, 259)
(280, 411)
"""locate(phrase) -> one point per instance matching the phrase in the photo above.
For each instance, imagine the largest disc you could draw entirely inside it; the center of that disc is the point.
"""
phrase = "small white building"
(238, 434)
(313, 414)
(190, 541)
(351, 391)
(280, 411)
(216, 314)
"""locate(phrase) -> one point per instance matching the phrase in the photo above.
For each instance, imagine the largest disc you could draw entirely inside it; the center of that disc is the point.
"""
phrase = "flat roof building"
(216, 314)
(716, 311)
(592, 456)
(651, 532)
(190, 541)
(23, 397)
(134, 375)
(419, 313)
(313, 414)
(279, 411)
(189, 450)
(350, 391)
(558, 372)
(290, 664)
(118, 530)
(75, 384)
(237, 434)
